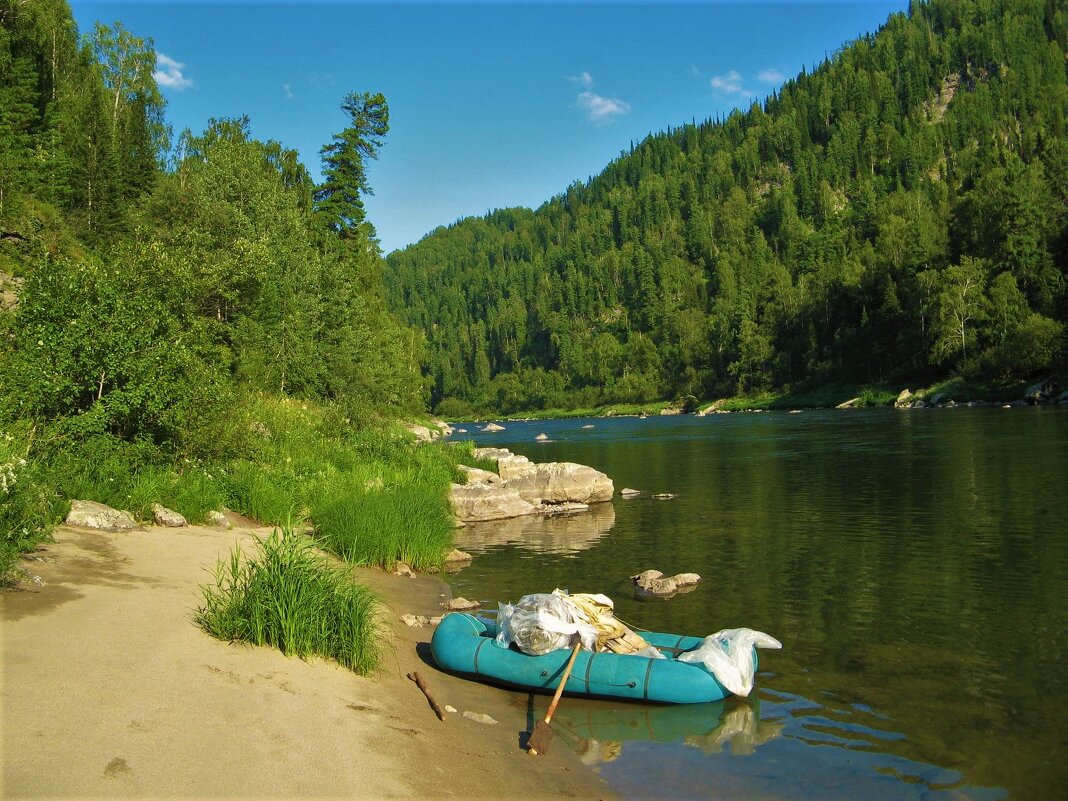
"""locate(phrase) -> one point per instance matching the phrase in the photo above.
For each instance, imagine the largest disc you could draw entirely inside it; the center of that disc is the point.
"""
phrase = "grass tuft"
(290, 597)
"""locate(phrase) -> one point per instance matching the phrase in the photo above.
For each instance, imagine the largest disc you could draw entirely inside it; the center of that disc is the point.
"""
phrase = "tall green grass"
(409, 522)
(288, 596)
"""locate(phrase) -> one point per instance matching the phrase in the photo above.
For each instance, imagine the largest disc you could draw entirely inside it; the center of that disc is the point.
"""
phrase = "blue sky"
(491, 104)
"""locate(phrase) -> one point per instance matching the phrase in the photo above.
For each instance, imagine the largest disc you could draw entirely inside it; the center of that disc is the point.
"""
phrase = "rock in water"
(543, 437)
(558, 482)
(627, 492)
(456, 555)
(476, 502)
(167, 517)
(479, 717)
(646, 575)
(686, 579)
(90, 514)
(461, 604)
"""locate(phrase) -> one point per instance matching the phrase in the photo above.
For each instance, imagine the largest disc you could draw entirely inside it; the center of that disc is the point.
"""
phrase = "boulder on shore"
(217, 519)
(90, 514)
(167, 517)
(476, 502)
(523, 487)
(477, 476)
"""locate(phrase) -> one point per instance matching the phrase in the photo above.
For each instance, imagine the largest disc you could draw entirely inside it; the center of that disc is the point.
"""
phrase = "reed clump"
(289, 596)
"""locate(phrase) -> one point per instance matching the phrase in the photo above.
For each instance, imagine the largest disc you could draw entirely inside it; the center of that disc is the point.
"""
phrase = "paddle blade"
(539, 740)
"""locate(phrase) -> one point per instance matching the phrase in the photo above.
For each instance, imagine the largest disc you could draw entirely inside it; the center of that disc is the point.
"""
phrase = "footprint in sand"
(116, 767)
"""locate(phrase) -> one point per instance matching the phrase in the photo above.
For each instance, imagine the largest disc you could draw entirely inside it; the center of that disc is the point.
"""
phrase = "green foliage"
(339, 199)
(28, 506)
(863, 225)
(289, 597)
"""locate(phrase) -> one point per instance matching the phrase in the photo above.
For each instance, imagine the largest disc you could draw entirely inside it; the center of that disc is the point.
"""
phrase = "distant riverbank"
(830, 396)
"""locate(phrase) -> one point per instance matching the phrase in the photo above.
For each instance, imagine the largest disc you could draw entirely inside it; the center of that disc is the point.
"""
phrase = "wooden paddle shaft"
(563, 681)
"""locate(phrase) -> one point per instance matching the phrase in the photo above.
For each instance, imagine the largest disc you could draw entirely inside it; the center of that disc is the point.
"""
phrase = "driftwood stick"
(422, 685)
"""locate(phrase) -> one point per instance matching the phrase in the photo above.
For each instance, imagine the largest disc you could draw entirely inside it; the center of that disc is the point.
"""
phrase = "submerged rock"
(480, 717)
(460, 604)
(653, 582)
(456, 555)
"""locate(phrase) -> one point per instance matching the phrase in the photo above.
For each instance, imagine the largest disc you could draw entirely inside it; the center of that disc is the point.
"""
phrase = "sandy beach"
(110, 690)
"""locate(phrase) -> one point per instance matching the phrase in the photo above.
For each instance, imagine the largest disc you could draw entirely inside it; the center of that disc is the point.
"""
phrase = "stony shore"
(110, 690)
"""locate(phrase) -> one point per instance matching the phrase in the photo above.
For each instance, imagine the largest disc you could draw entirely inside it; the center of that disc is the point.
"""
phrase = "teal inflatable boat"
(467, 645)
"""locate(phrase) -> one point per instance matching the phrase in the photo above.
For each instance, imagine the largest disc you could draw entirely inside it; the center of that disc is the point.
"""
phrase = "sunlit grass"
(288, 596)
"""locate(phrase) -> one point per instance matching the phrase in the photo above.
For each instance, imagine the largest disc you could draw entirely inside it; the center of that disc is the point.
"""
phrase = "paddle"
(539, 740)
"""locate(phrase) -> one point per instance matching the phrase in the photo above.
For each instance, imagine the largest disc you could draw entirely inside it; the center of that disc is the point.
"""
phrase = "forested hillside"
(899, 212)
(154, 292)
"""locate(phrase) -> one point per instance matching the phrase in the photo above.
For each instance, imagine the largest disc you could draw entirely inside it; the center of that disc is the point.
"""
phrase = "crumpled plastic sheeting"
(728, 655)
(540, 623)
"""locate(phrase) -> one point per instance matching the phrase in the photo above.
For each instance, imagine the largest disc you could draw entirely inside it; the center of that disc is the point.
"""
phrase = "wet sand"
(110, 690)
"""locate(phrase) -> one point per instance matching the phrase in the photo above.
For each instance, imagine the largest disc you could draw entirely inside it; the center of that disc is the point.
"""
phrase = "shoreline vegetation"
(956, 389)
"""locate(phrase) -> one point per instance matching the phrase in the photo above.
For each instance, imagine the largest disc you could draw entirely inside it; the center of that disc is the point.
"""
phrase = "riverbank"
(111, 690)
(830, 396)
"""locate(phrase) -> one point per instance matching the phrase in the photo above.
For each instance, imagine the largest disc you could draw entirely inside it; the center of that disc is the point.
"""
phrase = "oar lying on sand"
(543, 733)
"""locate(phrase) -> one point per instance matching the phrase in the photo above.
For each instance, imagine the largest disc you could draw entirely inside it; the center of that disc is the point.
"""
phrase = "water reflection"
(598, 731)
(915, 567)
(557, 534)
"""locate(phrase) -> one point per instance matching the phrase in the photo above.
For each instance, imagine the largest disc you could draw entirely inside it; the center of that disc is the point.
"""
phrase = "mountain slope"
(900, 210)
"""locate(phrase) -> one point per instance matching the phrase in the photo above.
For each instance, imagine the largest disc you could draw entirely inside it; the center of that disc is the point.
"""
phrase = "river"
(914, 565)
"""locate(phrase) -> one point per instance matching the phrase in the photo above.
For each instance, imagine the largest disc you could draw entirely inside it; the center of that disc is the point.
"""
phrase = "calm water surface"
(914, 565)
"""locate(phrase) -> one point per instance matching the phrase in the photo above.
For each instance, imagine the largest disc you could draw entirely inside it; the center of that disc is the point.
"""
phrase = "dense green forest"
(899, 212)
(157, 288)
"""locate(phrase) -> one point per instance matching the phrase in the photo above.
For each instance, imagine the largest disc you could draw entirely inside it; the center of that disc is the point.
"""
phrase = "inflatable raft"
(467, 645)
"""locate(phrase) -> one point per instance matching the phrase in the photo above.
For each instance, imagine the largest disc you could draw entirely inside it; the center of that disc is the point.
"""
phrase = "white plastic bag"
(540, 623)
(728, 655)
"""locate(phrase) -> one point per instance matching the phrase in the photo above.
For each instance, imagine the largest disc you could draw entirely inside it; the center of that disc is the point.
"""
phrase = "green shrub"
(28, 504)
(289, 597)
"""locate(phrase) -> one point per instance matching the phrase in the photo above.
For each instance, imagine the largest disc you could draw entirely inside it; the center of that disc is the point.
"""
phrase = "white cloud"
(583, 79)
(601, 110)
(169, 73)
(770, 76)
(288, 90)
(729, 84)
